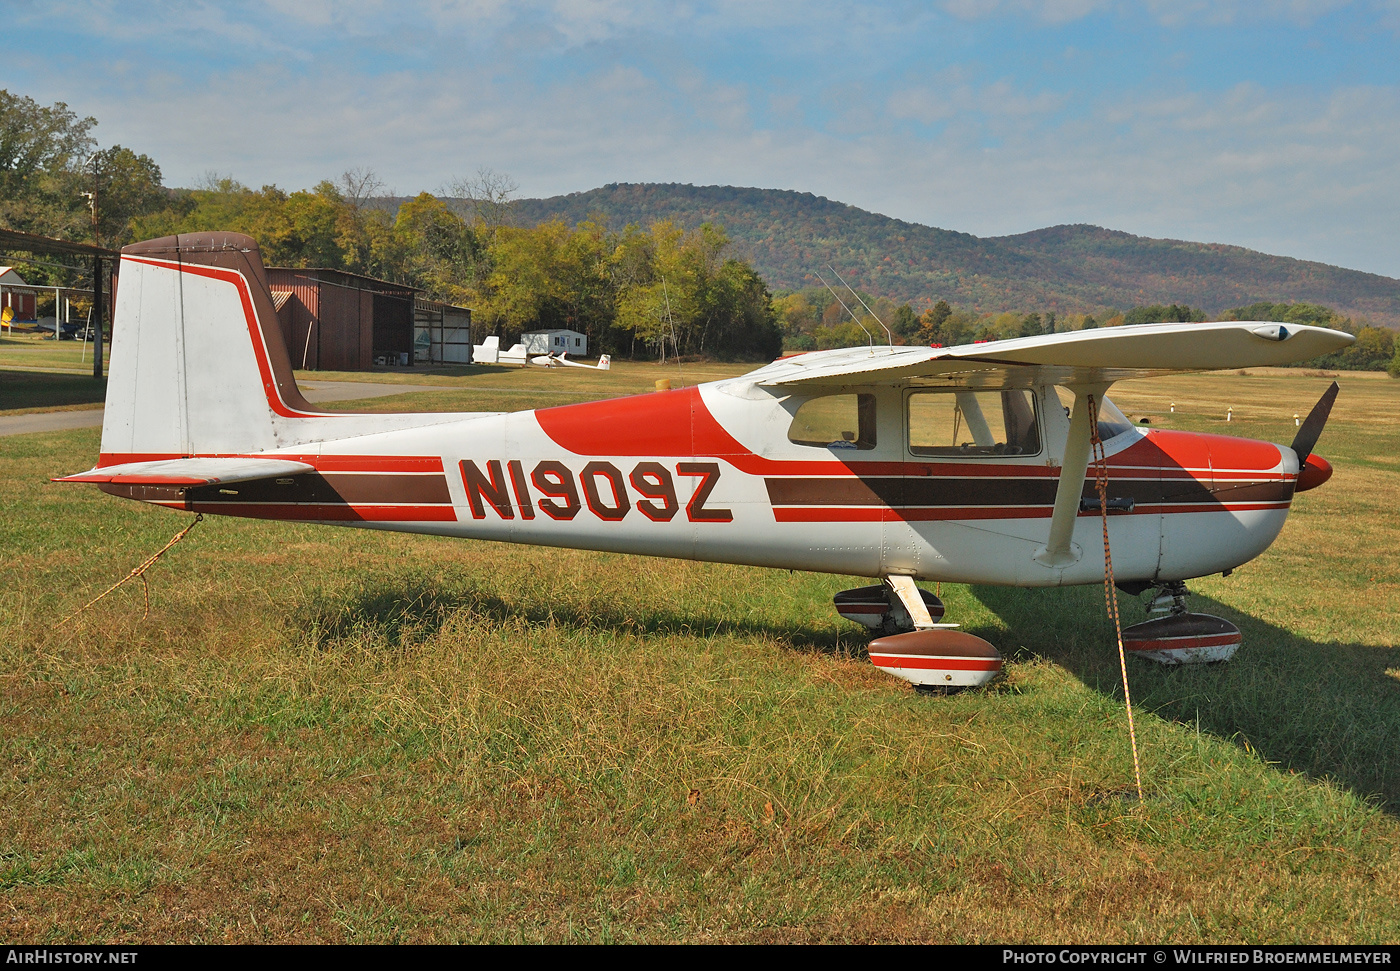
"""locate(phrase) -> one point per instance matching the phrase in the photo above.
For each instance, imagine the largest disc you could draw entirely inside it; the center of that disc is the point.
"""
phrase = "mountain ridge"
(789, 236)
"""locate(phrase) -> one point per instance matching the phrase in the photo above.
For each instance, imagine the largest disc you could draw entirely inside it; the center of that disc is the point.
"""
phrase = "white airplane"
(489, 352)
(562, 360)
(964, 464)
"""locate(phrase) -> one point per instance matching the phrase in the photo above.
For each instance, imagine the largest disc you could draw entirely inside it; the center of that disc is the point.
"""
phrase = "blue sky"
(1273, 124)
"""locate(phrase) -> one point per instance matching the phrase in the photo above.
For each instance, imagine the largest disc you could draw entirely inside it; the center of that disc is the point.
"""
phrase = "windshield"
(1112, 422)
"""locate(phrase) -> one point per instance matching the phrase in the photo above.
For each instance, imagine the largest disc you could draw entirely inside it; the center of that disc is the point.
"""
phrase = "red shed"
(17, 294)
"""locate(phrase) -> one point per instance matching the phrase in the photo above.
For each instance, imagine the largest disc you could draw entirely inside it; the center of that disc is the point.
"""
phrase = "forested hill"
(789, 236)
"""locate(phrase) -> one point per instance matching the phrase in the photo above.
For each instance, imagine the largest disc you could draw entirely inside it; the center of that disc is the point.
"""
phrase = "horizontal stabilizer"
(191, 472)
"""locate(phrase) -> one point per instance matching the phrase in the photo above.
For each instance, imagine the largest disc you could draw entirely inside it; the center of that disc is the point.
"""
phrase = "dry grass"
(339, 735)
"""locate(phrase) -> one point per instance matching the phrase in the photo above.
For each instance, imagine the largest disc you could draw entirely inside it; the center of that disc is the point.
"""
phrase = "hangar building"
(338, 321)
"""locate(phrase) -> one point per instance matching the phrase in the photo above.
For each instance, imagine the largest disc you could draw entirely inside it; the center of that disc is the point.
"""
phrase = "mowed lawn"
(324, 734)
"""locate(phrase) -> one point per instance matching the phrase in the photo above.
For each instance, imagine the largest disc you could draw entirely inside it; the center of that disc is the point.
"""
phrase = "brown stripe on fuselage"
(389, 487)
(311, 489)
(355, 488)
(916, 491)
(1278, 490)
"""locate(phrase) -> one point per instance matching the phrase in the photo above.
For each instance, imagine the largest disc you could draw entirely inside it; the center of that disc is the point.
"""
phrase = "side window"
(973, 423)
(835, 421)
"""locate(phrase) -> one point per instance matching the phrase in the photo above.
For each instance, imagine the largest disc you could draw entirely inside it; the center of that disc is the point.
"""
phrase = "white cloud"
(1049, 11)
(1174, 13)
(1221, 12)
(921, 104)
(929, 104)
(1304, 172)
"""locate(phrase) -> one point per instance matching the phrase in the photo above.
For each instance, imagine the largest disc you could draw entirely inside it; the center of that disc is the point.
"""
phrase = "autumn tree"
(129, 186)
(432, 248)
(42, 151)
(931, 324)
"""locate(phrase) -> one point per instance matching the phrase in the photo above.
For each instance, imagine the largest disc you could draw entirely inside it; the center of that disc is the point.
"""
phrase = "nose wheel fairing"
(1178, 636)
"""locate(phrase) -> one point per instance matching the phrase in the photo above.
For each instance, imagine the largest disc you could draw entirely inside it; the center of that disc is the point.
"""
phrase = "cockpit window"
(973, 423)
(835, 421)
(1112, 422)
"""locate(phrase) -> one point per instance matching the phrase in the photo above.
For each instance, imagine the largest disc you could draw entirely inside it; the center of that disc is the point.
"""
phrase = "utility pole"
(97, 317)
(96, 281)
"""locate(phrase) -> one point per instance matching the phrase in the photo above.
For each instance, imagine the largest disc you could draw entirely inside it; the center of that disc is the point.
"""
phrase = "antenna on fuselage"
(869, 336)
(675, 341)
(888, 335)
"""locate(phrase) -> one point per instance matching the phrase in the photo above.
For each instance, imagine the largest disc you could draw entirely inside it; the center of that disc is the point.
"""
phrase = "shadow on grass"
(1323, 709)
(40, 389)
(460, 370)
(402, 614)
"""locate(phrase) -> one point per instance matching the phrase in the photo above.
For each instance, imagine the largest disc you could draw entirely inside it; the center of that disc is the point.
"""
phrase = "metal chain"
(1110, 590)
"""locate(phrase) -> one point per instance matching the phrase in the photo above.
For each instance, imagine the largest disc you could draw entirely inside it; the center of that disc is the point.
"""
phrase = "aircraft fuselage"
(712, 473)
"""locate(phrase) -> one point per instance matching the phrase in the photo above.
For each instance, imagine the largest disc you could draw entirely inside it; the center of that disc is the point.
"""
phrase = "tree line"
(817, 319)
(636, 292)
(639, 291)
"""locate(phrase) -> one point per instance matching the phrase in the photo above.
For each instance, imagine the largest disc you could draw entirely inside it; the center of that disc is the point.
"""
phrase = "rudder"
(199, 365)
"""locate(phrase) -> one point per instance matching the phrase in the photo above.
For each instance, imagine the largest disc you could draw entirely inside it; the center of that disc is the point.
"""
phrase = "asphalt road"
(58, 421)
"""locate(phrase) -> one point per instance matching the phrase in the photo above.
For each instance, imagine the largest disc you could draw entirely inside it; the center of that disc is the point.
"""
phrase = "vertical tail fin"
(488, 351)
(199, 365)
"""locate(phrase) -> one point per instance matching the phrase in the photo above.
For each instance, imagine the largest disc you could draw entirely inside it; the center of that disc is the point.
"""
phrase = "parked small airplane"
(963, 464)
(67, 329)
(562, 360)
(489, 352)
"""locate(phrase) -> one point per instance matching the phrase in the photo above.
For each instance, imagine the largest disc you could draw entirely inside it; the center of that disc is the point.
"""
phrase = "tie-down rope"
(1110, 590)
(140, 571)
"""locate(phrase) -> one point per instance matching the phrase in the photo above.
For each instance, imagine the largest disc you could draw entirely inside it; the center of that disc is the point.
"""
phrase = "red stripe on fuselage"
(677, 424)
(321, 463)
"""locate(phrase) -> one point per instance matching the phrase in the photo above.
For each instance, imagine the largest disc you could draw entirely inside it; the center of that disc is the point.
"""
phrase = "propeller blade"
(1311, 430)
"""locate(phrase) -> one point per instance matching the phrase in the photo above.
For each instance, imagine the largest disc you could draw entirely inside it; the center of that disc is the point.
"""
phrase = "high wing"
(191, 472)
(1086, 361)
(1077, 358)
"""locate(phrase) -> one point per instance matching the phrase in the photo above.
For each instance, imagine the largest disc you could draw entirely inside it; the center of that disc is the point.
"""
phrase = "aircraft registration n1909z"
(967, 464)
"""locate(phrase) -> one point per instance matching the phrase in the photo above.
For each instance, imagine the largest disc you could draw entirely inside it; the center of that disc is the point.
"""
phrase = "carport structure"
(104, 263)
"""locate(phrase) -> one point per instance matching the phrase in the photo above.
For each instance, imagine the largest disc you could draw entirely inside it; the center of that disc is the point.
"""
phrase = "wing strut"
(1059, 549)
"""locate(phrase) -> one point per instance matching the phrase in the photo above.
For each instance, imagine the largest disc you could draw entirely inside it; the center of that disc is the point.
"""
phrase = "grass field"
(323, 734)
(39, 375)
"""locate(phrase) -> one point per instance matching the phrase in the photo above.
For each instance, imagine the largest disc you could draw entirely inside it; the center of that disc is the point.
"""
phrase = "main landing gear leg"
(915, 647)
